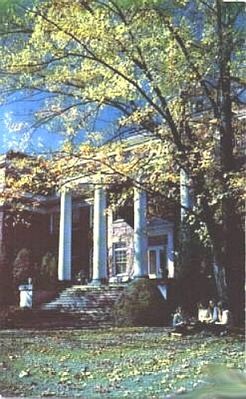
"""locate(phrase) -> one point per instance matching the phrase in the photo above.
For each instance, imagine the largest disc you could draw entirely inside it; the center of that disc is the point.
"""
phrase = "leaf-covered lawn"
(118, 363)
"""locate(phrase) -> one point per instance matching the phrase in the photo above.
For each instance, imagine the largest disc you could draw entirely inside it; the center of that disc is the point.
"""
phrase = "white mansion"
(92, 242)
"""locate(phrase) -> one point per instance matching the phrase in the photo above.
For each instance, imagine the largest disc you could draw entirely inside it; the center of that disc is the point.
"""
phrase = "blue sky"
(17, 134)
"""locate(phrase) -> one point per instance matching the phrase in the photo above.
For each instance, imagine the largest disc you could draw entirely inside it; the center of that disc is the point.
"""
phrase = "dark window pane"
(152, 262)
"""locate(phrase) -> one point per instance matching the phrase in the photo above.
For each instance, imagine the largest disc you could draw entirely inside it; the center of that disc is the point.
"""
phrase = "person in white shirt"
(202, 314)
(223, 325)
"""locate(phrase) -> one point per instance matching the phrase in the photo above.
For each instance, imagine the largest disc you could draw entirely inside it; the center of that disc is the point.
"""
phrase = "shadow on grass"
(223, 384)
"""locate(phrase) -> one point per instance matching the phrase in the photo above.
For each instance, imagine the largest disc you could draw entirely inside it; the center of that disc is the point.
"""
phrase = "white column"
(91, 241)
(65, 237)
(111, 271)
(140, 234)
(186, 198)
(99, 237)
(170, 256)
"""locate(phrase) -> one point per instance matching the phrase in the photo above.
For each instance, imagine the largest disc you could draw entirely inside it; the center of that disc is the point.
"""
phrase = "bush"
(141, 304)
(47, 274)
(22, 269)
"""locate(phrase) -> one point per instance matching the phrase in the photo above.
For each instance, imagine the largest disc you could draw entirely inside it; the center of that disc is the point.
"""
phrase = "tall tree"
(169, 68)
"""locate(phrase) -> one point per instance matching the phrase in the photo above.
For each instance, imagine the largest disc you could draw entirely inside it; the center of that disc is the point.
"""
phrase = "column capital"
(64, 188)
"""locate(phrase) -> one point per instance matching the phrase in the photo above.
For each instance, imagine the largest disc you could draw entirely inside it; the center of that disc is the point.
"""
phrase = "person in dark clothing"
(179, 322)
(213, 313)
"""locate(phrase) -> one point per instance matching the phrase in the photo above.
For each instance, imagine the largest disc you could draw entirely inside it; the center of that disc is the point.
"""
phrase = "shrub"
(48, 269)
(22, 269)
(141, 304)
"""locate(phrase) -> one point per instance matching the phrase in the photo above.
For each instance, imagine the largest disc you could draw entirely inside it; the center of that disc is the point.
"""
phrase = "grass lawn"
(116, 363)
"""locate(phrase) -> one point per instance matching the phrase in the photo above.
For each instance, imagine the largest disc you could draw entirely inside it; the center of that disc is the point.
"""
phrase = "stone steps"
(81, 298)
(80, 307)
(83, 306)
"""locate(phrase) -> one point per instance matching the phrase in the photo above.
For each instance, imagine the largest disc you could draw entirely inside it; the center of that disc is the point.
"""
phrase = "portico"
(101, 250)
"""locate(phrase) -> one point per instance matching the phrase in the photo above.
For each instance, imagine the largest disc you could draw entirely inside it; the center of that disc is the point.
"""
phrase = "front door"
(157, 261)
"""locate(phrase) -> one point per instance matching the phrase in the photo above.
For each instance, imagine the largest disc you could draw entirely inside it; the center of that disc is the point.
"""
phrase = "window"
(152, 261)
(157, 261)
(119, 256)
(157, 255)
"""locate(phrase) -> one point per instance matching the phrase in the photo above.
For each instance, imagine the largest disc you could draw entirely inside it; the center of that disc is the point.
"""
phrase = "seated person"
(179, 323)
(203, 315)
(223, 323)
(212, 313)
(225, 318)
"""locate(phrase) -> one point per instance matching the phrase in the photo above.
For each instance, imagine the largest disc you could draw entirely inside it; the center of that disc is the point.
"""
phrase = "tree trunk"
(231, 236)
(234, 262)
(220, 281)
(228, 264)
